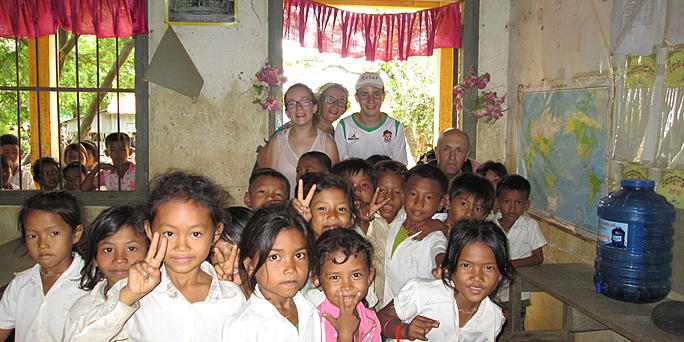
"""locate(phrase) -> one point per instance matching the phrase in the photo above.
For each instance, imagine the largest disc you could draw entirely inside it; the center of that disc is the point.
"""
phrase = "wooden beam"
(44, 130)
(444, 101)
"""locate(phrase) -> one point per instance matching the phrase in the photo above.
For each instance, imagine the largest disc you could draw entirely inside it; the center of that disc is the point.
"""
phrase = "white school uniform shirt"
(36, 317)
(26, 179)
(523, 237)
(258, 320)
(165, 315)
(433, 299)
(411, 259)
(85, 323)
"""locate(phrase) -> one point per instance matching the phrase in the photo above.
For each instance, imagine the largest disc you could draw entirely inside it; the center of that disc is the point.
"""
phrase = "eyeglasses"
(332, 100)
(304, 102)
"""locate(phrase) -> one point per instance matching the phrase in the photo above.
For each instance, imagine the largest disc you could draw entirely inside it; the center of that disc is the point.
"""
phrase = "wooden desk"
(583, 308)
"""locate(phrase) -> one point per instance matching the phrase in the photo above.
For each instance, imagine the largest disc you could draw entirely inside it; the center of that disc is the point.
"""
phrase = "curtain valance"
(103, 18)
(373, 36)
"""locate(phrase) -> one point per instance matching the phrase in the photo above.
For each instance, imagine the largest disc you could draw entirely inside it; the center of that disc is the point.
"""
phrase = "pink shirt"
(369, 326)
(110, 179)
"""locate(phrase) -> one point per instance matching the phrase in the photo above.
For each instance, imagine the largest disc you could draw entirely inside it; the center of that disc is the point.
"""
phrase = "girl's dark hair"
(344, 240)
(108, 223)
(185, 186)
(235, 220)
(498, 169)
(260, 234)
(477, 186)
(469, 231)
(75, 164)
(60, 203)
(40, 163)
(329, 181)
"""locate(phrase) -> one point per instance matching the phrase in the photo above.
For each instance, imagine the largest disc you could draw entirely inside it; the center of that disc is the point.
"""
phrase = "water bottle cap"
(638, 183)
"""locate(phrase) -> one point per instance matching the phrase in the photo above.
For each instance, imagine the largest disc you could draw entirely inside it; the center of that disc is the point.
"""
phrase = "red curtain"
(374, 36)
(103, 18)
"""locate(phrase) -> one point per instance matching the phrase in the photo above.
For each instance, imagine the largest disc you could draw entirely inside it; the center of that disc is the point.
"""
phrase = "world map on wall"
(563, 152)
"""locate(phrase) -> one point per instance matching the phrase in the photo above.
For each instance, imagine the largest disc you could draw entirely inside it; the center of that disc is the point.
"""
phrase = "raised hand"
(425, 228)
(301, 203)
(348, 323)
(418, 328)
(367, 212)
(227, 266)
(144, 276)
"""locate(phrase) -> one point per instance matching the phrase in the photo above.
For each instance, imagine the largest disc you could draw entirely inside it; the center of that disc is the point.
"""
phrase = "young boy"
(9, 147)
(361, 175)
(120, 174)
(525, 239)
(313, 161)
(493, 171)
(405, 257)
(74, 173)
(266, 186)
(470, 197)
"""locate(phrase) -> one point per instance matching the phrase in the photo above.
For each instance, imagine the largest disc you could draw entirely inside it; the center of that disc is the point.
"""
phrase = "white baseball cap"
(370, 79)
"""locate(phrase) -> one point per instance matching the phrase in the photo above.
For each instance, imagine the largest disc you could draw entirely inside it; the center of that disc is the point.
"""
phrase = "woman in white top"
(457, 306)
(276, 256)
(36, 301)
(285, 148)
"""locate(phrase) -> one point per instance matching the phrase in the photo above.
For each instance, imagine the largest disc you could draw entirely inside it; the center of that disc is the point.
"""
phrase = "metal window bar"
(41, 91)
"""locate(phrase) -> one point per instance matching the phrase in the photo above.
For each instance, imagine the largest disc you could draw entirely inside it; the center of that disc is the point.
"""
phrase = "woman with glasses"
(333, 102)
(286, 146)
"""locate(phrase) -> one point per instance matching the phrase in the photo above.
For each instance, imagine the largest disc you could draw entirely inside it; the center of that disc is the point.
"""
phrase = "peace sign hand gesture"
(144, 276)
(367, 212)
(348, 323)
(301, 203)
(227, 268)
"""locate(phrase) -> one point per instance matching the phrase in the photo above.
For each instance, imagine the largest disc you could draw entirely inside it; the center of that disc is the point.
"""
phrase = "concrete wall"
(218, 134)
(548, 41)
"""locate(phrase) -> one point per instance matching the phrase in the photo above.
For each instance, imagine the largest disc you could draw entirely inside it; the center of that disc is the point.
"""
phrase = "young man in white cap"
(370, 131)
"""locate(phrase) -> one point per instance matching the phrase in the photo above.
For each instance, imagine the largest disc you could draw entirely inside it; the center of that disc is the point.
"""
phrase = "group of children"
(362, 252)
(82, 169)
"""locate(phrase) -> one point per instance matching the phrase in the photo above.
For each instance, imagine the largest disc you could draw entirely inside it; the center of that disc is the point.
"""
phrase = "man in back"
(370, 131)
(453, 149)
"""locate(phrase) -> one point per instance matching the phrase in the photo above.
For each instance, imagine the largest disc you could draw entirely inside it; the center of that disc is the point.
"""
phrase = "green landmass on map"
(550, 181)
(584, 128)
(594, 186)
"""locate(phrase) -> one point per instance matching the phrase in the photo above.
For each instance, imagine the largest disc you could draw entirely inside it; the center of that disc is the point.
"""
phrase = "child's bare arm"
(4, 334)
(536, 258)
(416, 330)
(265, 157)
(426, 227)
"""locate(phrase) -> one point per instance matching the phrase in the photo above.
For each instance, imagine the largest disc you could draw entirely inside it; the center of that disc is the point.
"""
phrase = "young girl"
(116, 240)
(283, 151)
(344, 272)
(276, 256)
(456, 307)
(36, 300)
(184, 300)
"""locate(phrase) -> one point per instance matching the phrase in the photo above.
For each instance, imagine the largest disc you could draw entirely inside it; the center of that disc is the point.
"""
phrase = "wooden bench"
(583, 308)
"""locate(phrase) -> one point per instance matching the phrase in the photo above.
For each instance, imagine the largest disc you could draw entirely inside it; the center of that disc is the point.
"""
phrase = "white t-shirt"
(165, 314)
(34, 316)
(411, 259)
(258, 320)
(386, 138)
(433, 299)
(85, 321)
(523, 237)
(26, 179)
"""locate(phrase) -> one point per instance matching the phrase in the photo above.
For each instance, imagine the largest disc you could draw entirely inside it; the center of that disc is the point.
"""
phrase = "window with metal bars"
(76, 108)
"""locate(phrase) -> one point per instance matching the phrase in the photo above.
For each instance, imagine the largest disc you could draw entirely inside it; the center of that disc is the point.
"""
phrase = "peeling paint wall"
(216, 136)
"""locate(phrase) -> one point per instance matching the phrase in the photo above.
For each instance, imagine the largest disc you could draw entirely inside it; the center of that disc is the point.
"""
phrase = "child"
(493, 171)
(120, 174)
(92, 153)
(184, 300)
(116, 240)
(266, 186)
(525, 239)
(475, 263)
(344, 272)
(390, 180)
(47, 174)
(74, 174)
(20, 177)
(234, 222)
(405, 257)
(276, 255)
(36, 300)
(6, 173)
(470, 197)
(313, 161)
(361, 175)
(75, 152)
(376, 158)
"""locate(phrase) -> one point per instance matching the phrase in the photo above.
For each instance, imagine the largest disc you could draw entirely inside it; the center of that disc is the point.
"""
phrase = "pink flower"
(271, 104)
(458, 90)
(482, 81)
(470, 81)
